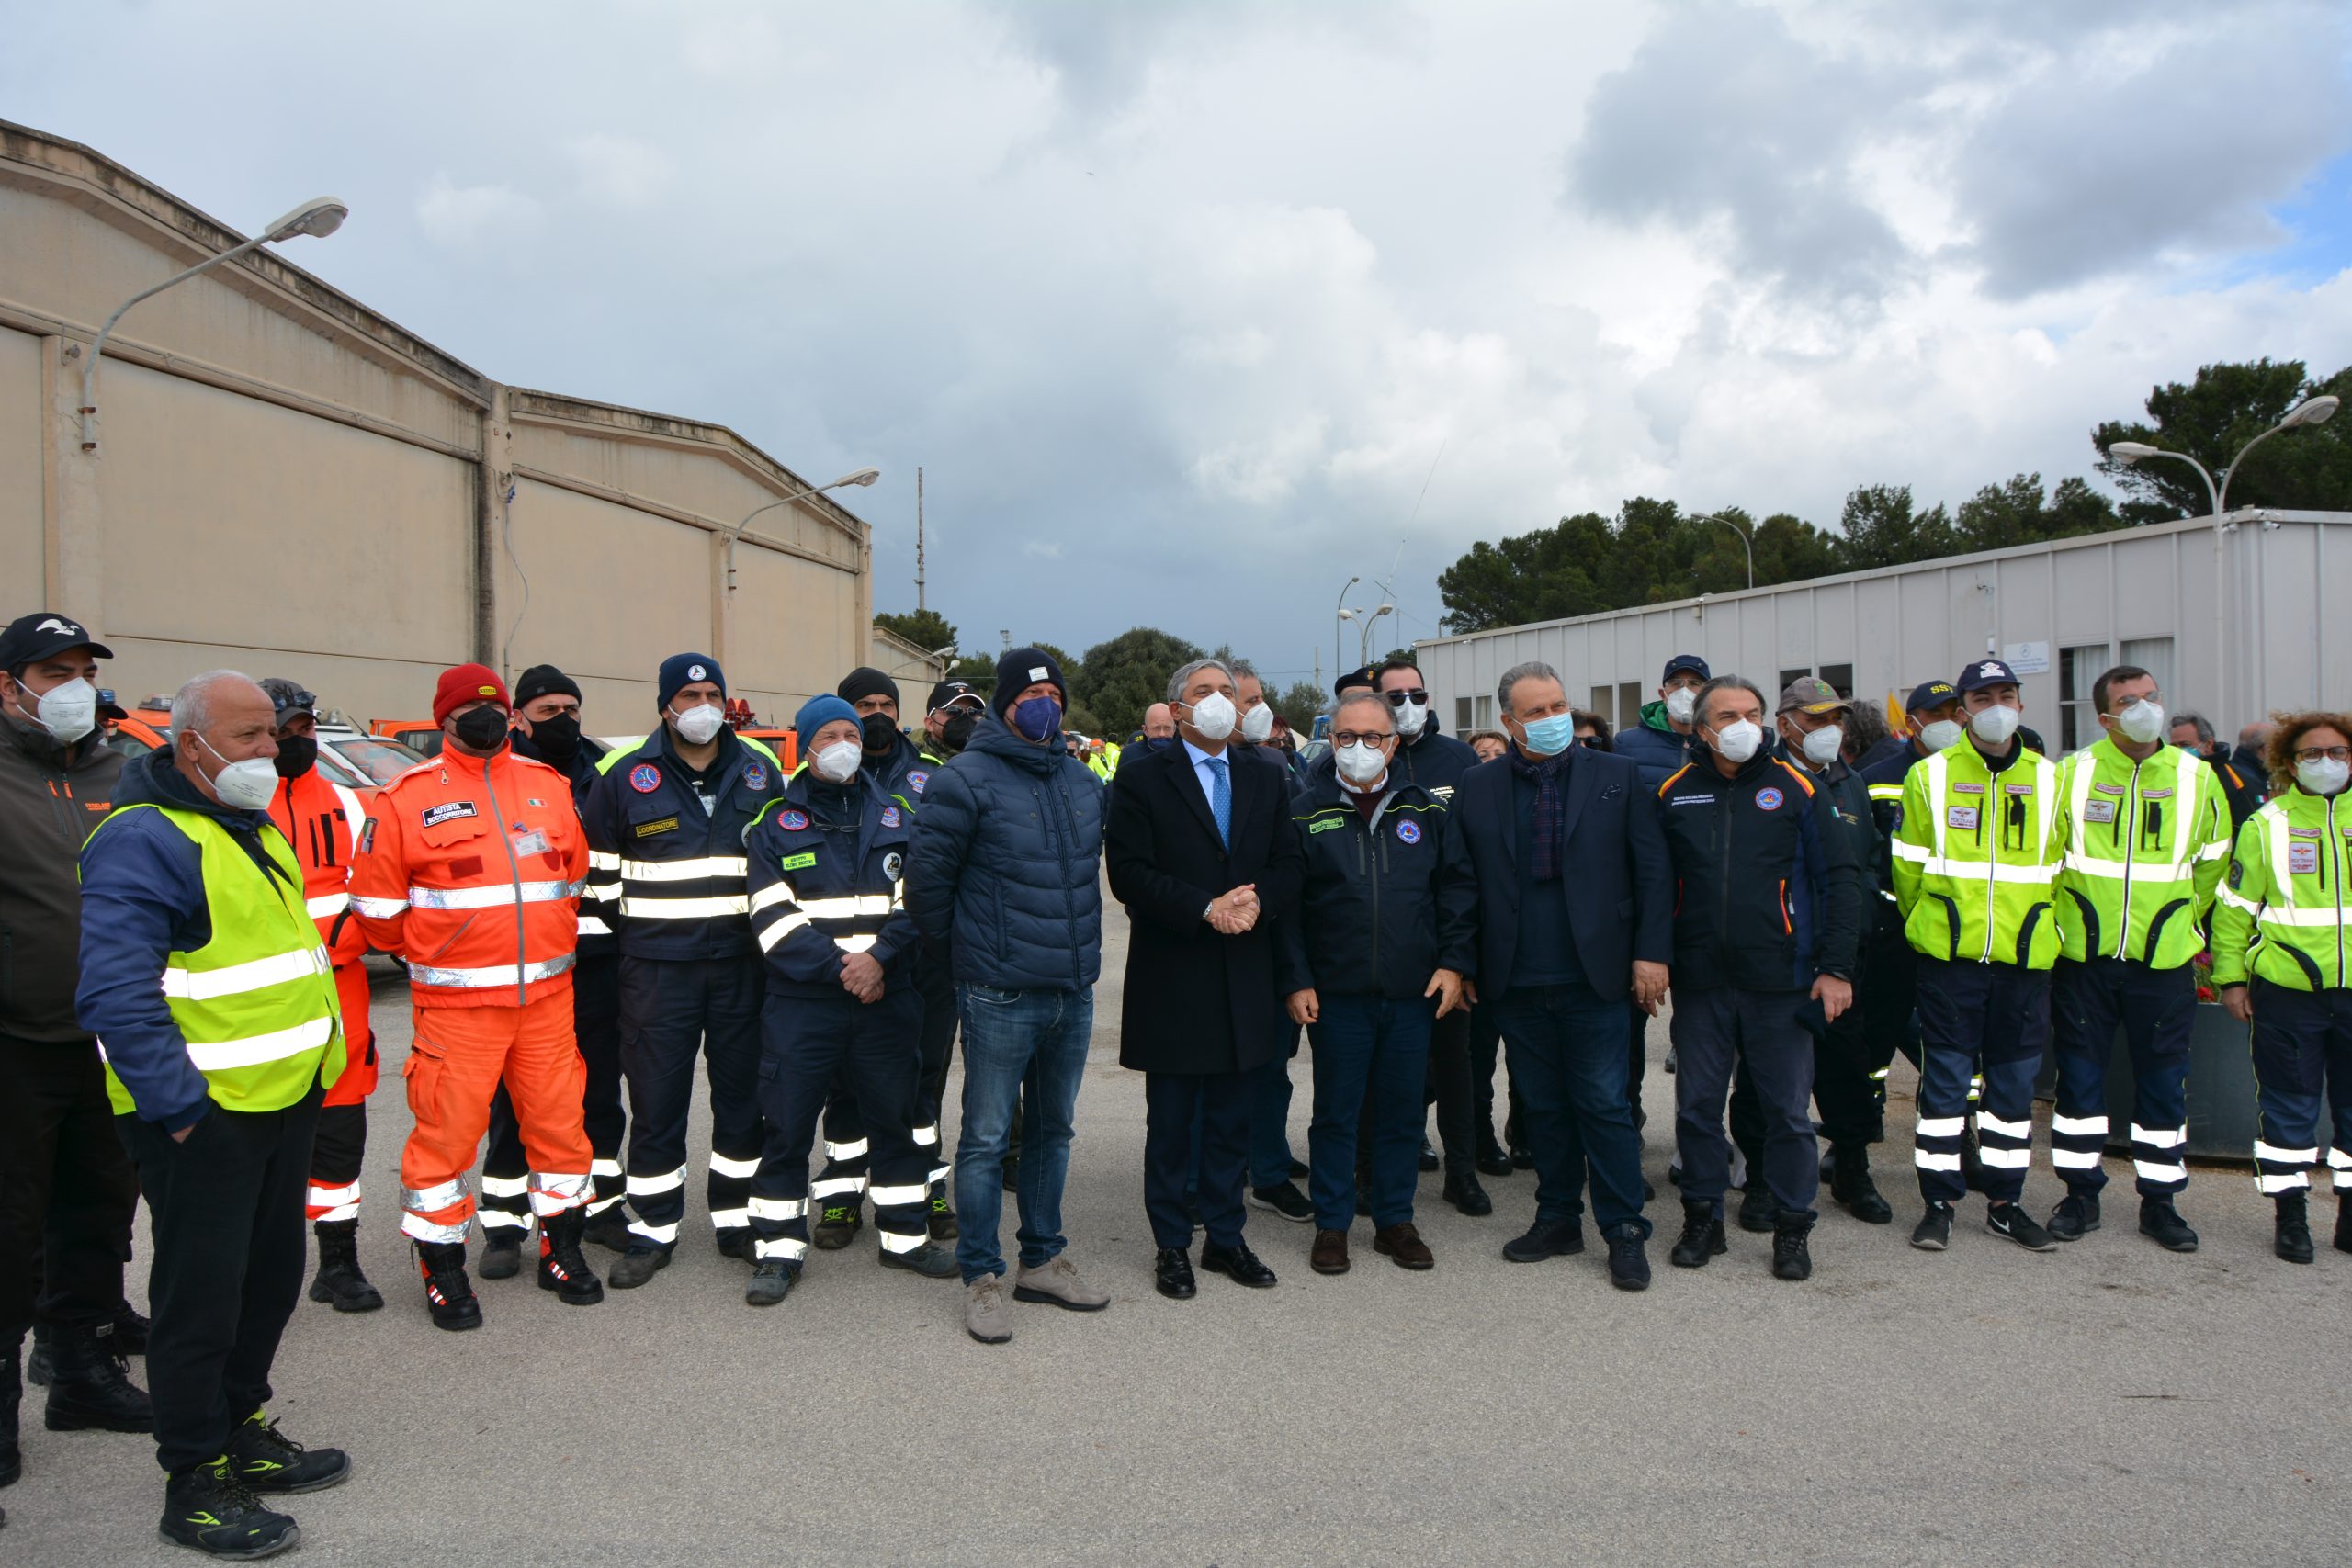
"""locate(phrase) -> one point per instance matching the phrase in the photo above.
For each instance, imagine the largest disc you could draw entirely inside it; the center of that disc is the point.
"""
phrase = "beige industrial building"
(285, 482)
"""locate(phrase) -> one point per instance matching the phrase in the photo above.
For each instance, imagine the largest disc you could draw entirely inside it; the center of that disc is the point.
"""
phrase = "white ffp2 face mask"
(837, 763)
(248, 785)
(1360, 764)
(1682, 702)
(1214, 715)
(1943, 734)
(700, 726)
(1258, 724)
(2142, 722)
(1821, 747)
(1994, 725)
(1738, 740)
(68, 710)
(1411, 717)
(2323, 776)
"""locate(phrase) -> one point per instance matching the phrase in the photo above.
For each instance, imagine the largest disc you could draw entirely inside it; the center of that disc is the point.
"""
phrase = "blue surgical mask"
(1036, 718)
(1550, 737)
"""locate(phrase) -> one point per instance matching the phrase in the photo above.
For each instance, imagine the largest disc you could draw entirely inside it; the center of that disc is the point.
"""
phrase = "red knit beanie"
(467, 683)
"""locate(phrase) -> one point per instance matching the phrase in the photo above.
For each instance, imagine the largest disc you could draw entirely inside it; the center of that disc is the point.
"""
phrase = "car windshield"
(379, 760)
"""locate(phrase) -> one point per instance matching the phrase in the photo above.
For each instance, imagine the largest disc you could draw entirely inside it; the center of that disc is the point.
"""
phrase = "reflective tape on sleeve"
(380, 909)
(327, 904)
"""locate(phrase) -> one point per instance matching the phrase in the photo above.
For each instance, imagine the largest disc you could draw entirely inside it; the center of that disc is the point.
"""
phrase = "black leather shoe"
(1172, 1274)
(2160, 1220)
(1462, 1190)
(1850, 1184)
(1702, 1239)
(1429, 1156)
(1493, 1158)
(1546, 1238)
(1236, 1263)
(2292, 1238)
(1758, 1210)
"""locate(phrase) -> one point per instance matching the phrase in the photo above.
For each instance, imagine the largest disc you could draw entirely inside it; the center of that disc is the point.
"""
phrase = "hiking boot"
(339, 1281)
(1330, 1254)
(941, 1220)
(2291, 1240)
(1462, 1190)
(640, 1263)
(1546, 1238)
(90, 1388)
(2159, 1219)
(267, 1459)
(209, 1509)
(1404, 1245)
(608, 1230)
(1850, 1184)
(771, 1282)
(931, 1261)
(561, 1268)
(1702, 1239)
(1759, 1211)
(1933, 1233)
(1792, 1257)
(987, 1318)
(1056, 1283)
(2011, 1220)
(1629, 1265)
(1284, 1199)
(2076, 1213)
(449, 1294)
(837, 1225)
(502, 1252)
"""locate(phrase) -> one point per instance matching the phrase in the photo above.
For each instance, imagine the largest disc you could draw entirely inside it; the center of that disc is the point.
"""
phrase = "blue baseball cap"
(1929, 695)
(1986, 672)
(1691, 661)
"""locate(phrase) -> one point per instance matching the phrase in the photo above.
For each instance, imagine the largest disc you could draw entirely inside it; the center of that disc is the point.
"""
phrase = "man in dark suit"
(1576, 903)
(1200, 851)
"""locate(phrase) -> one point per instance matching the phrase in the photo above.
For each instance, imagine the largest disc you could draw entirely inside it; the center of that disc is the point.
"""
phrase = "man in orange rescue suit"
(470, 870)
(322, 820)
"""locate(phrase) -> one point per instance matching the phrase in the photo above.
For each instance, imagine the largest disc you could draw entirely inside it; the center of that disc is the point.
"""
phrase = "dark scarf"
(1551, 778)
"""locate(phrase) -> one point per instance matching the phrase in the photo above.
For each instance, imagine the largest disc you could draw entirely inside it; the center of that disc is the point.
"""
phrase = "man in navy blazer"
(1576, 906)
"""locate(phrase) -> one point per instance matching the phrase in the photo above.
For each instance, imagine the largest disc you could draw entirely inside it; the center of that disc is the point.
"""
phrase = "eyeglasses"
(2330, 753)
(1360, 737)
(1413, 694)
(1591, 741)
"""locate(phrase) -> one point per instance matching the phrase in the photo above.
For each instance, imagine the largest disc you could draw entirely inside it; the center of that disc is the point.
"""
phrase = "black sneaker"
(1850, 1184)
(2011, 1220)
(1792, 1257)
(837, 1225)
(1758, 1210)
(209, 1509)
(1299, 1171)
(2159, 1219)
(267, 1459)
(2076, 1215)
(2293, 1239)
(771, 1282)
(1933, 1233)
(1702, 1239)
(502, 1254)
(608, 1230)
(1546, 1238)
(1284, 1199)
(640, 1263)
(1629, 1264)
(931, 1261)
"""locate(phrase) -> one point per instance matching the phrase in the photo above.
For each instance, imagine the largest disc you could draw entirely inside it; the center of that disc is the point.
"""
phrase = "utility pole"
(919, 601)
(1006, 633)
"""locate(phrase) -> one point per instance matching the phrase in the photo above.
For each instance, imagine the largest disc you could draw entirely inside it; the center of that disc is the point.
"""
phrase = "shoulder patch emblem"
(890, 817)
(645, 778)
(755, 775)
(916, 779)
(1769, 799)
(2237, 873)
(892, 864)
(1408, 832)
(1325, 825)
(792, 821)
(368, 836)
(448, 811)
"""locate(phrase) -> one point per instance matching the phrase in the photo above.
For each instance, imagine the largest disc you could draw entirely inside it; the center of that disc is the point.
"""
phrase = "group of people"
(188, 1018)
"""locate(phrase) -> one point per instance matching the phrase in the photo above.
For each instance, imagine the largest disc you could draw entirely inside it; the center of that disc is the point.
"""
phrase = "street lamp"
(317, 218)
(854, 477)
(2311, 411)
(1744, 543)
(1364, 645)
(1339, 647)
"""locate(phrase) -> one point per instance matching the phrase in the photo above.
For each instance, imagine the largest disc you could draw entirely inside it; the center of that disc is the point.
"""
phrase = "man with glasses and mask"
(1661, 742)
(2147, 837)
(666, 821)
(1976, 863)
(1763, 947)
(322, 821)
(1385, 924)
(66, 1188)
(1576, 908)
(948, 720)
(546, 729)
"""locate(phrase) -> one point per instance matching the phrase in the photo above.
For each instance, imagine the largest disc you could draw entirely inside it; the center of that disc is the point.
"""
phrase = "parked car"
(147, 729)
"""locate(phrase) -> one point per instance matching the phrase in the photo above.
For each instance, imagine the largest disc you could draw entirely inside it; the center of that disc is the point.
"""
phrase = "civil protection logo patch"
(916, 779)
(645, 778)
(1767, 799)
(792, 821)
(890, 816)
(1408, 832)
(755, 775)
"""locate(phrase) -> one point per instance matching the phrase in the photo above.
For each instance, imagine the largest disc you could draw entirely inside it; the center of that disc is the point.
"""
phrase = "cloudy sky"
(1191, 310)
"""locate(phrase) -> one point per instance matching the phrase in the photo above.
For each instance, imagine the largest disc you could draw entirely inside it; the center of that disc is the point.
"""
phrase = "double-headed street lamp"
(2311, 411)
(317, 218)
(854, 477)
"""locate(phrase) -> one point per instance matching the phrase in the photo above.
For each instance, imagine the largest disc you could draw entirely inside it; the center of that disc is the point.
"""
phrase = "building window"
(1485, 712)
(1604, 702)
(2077, 668)
(1629, 704)
(1462, 713)
(1840, 678)
(2153, 654)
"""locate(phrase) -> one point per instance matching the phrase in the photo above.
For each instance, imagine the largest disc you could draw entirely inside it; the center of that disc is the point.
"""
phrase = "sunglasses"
(1415, 694)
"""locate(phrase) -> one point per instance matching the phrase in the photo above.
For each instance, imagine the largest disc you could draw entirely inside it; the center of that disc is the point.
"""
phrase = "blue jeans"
(1367, 1047)
(1009, 1035)
(1567, 1049)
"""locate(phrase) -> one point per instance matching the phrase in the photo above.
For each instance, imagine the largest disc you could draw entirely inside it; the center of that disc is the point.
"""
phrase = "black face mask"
(878, 733)
(483, 729)
(957, 733)
(557, 737)
(296, 755)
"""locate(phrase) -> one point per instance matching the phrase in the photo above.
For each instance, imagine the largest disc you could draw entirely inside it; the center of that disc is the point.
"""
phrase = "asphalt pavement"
(2107, 1403)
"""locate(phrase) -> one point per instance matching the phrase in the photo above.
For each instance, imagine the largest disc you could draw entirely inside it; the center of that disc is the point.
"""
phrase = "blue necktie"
(1221, 802)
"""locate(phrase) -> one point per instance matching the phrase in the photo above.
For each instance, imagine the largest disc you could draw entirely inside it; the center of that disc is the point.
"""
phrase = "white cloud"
(473, 218)
(619, 171)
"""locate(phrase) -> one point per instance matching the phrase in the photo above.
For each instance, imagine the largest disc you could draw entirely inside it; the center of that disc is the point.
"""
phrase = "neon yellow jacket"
(2281, 911)
(1976, 857)
(2145, 846)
